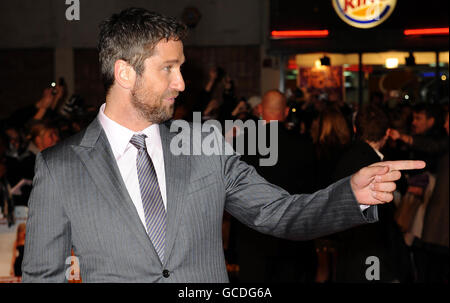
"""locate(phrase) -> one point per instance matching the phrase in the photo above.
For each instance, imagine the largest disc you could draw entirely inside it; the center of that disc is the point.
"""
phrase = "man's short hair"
(429, 110)
(371, 123)
(132, 35)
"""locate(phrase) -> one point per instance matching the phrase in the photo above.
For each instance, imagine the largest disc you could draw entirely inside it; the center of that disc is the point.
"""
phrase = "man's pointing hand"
(374, 184)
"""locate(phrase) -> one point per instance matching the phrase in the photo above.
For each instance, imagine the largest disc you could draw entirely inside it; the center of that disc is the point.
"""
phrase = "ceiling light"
(299, 34)
(317, 64)
(391, 62)
(426, 31)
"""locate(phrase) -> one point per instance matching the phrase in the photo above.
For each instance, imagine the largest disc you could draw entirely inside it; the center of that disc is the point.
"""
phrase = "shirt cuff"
(364, 207)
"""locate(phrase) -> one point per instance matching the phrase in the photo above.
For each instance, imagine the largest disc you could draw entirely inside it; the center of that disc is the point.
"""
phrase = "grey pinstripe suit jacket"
(79, 200)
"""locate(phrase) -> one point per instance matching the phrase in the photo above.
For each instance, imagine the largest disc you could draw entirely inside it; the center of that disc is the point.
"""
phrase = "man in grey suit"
(133, 211)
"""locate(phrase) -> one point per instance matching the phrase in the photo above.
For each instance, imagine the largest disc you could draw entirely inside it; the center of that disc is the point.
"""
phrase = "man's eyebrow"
(173, 61)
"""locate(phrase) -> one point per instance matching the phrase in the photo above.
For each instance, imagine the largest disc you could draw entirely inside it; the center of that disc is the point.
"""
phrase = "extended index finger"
(403, 164)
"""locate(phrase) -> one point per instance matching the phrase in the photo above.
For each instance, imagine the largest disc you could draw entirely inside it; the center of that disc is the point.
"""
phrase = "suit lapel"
(96, 154)
(177, 170)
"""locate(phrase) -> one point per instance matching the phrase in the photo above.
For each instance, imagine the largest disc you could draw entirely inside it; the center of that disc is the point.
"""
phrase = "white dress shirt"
(125, 154)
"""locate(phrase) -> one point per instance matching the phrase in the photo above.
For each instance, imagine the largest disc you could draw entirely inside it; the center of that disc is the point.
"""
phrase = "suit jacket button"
(166, 273)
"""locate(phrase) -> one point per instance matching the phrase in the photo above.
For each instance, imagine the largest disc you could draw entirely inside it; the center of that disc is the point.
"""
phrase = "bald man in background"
(273, 106)
(295, 154)
(263, 258)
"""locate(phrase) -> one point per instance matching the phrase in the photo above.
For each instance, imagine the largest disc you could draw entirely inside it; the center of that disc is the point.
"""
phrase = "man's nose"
(178, 83)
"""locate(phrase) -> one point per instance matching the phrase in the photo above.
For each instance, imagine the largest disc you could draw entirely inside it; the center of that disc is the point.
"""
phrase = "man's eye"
(167, 68)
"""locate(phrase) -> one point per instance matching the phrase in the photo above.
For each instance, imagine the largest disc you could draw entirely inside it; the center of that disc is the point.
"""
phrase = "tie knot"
(138, 141)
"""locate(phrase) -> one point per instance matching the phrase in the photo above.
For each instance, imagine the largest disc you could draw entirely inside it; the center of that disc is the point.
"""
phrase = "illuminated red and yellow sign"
(364, 13)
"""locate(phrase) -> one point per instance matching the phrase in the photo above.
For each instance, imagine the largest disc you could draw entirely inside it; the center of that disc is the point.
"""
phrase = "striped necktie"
(155, 213)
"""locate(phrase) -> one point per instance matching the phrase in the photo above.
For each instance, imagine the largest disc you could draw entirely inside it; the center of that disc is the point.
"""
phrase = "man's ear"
(388, 132)
(124, 74)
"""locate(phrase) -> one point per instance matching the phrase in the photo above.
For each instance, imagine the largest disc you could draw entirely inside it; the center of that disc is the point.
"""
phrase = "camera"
(53, 85)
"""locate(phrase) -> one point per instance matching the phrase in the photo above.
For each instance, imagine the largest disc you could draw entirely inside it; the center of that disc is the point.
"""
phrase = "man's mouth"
(172, 99)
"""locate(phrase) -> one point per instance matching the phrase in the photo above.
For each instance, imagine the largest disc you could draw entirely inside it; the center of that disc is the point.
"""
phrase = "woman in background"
(331, 137)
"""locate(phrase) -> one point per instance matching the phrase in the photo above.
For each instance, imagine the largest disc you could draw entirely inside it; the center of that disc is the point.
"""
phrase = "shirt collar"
(378, 153)
(119, 136)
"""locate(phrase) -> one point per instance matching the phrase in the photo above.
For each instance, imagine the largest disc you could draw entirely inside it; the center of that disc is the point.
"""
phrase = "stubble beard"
(149, 107)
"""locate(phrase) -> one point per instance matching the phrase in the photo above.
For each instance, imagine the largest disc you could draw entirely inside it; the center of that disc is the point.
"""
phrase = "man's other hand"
(375, 184)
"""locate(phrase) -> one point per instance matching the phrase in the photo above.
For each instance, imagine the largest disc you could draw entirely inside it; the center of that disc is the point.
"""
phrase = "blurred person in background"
(427, 140)
(6, 199)
(434, 252)
(242, 111)
(18, 248)
(382, 239)
(295, 101)
(229, 100)
(223, 100)
(264, 258)
(211, 97)
(400, 119)
(46, 108)
(19, 163)
(42, 136)
(331, 137)
(16, 144)
(254, 109)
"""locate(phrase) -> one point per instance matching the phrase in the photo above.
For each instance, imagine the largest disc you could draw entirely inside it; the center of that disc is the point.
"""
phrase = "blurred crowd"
(319, 142)
(25, 133)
